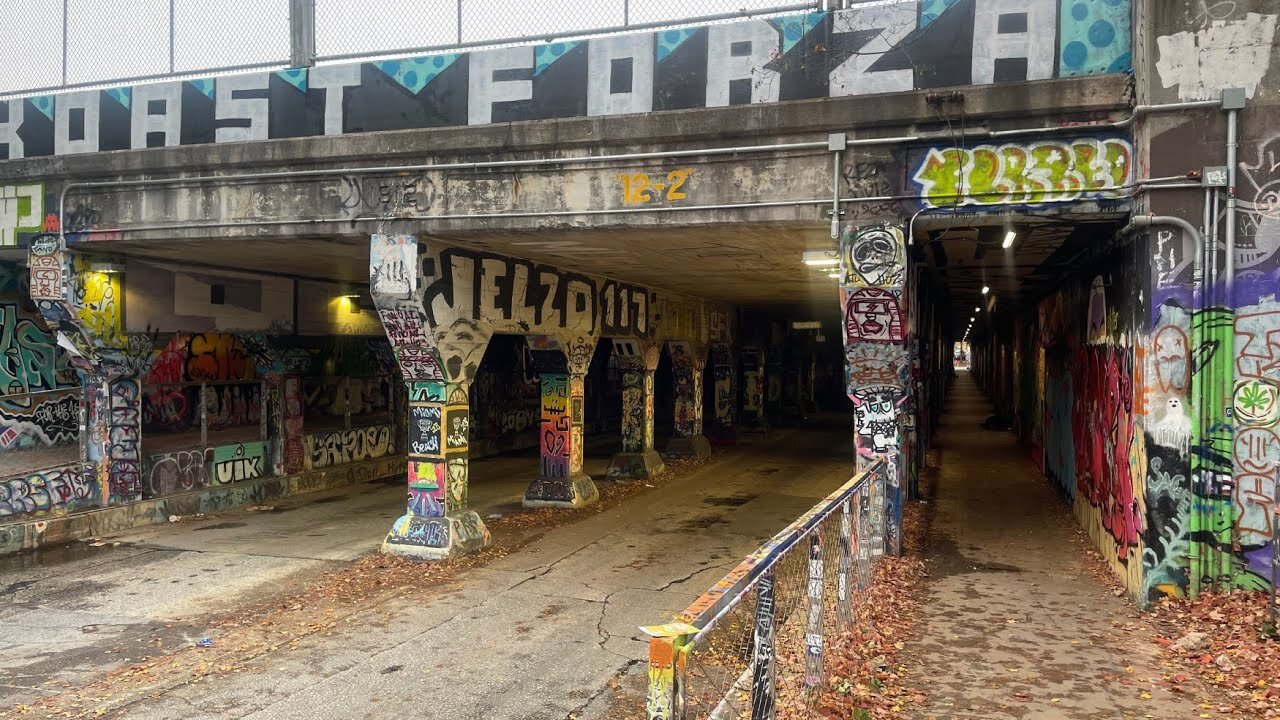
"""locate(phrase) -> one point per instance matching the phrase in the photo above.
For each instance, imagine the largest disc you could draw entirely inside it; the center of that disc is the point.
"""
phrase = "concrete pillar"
(876, 363)
(562, 371)
(687, 365)
(753, 417)
(438, 365)
(83, 306)
(638, 458)
(724, 427)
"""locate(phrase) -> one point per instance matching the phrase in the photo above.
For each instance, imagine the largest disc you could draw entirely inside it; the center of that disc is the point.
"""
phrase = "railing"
(83, 44)
(753, 645)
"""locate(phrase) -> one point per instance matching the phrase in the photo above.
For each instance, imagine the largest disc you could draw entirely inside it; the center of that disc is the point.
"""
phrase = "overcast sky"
(109, 39)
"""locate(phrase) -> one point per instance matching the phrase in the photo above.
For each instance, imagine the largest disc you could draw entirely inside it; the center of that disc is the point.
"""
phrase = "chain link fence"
(48, 45)
(753, 646)
(75, 43)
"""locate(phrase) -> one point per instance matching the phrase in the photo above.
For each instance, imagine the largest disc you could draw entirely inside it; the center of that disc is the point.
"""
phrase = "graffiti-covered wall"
(860, 51)
(1214, 346)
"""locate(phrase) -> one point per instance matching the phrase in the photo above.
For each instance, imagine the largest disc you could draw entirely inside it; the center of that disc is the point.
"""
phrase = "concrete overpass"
(652, 194)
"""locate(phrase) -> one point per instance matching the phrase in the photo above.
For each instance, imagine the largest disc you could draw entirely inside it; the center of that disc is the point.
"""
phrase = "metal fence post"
(64, 40)
(667, 652)
(302, 33)
(459, 21)
(813, 671)
(864, 543)
(172, 64)
(844, 604)
(764, 691)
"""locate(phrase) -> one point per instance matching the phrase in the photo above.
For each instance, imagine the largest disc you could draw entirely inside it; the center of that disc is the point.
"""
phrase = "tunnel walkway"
(537, 633)
(1016, 625)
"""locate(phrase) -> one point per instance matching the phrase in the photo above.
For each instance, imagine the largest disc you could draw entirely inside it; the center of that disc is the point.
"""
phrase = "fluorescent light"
(834, 275)
(985, 289)
(820, 258)
(1008, 239)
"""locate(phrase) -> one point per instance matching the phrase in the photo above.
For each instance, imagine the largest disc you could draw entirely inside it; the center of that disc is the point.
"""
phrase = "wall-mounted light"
(820, 258)
(985, 289)
(1009, 238)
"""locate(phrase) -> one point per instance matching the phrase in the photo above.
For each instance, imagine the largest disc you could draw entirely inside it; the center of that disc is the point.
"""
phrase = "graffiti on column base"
(556, 489)
(876, 410)
(875, 364)
(426, 488)
(434, 532)
(60, 488)
(724, 395)
(633, 411)
(347, 446)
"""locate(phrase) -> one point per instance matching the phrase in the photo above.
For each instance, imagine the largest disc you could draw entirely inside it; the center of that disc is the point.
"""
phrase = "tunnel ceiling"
(962, 258)
(752, 265)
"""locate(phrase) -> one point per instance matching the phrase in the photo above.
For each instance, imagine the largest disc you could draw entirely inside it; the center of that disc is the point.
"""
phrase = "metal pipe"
(835, 195)
(1229, 263)
(1137, 189)
(1213, 252)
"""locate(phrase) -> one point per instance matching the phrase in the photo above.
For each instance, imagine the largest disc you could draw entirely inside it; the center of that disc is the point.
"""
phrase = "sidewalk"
(1016, 625)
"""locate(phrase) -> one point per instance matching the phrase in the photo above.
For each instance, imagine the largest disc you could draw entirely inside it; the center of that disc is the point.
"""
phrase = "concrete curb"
(43, 531)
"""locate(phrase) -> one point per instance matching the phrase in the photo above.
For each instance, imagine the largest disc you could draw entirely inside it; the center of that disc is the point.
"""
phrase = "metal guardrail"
(189, 38)
(719, 659)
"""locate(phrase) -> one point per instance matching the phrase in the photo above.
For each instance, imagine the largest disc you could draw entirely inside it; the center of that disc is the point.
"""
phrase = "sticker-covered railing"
(752, 645)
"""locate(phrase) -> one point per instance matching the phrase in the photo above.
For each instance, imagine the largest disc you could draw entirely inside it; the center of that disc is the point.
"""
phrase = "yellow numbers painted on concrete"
(640, 188)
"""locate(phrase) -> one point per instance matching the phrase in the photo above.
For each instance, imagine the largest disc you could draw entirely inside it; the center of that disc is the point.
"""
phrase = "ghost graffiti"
(875, 256)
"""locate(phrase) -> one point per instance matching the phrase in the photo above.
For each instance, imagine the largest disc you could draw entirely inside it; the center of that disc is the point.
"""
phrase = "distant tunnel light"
(820, 258)
(1008, 239)
(985, 289)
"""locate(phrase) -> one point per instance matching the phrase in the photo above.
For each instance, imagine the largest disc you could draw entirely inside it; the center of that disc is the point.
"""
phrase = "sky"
(112, 39)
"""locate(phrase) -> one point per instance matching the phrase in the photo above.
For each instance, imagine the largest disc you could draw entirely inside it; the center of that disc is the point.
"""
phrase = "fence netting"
(764, 654)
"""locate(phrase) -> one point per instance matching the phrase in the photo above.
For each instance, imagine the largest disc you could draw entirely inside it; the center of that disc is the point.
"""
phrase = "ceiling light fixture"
(977, 308)
(985, 289)
(834, 275)
(1008, 239)
(820, 258)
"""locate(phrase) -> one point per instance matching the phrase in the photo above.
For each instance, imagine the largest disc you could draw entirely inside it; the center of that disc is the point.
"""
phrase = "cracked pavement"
(537, 633)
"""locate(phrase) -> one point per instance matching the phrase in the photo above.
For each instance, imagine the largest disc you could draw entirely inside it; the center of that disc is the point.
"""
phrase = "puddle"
(221, 526)
(700, 522)
(57, 555)
(323, 501)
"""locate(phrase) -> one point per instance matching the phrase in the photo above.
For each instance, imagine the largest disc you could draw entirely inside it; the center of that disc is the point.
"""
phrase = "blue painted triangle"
(669, 40)
(413, 74)
(44, 104)
(545, 55)
(931, 10)
(204, 85)
(296, 77)
(795, 27)
(122, 95)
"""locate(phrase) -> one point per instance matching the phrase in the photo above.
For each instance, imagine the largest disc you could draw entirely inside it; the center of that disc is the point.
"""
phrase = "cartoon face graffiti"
(877, 418)
(873, 315)
(875, 256)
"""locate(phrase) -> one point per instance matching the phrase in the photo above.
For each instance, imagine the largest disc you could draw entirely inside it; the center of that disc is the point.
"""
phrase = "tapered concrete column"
(83, 306)
(753, 417)
(687, 366)
(438, 366)
(638, 458)
(561, 369)
(723, 428)
(876, 362)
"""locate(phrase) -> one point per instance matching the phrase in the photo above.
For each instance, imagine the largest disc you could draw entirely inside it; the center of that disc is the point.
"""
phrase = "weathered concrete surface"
(535, 634)
(1015, 625)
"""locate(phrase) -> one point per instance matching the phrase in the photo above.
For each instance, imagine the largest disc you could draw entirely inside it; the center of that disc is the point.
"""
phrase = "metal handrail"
(703, 612)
